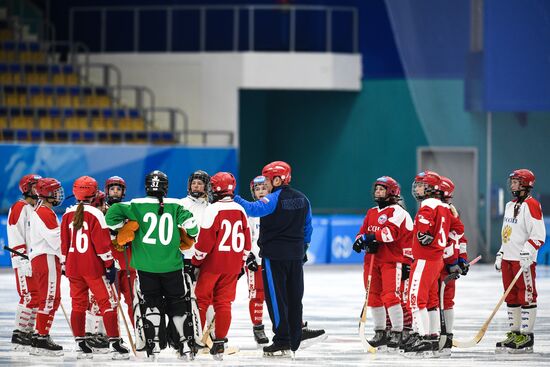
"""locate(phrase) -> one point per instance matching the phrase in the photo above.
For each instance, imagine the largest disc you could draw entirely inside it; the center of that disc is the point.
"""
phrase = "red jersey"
(435, 218)
(224, 238)
(456, 245)
(88, 250)
(392, 227)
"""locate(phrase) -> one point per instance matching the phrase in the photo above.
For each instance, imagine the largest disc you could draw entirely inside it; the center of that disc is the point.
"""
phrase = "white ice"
(333, 300)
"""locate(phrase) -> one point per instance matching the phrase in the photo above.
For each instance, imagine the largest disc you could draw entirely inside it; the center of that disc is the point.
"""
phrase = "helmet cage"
(205, 178)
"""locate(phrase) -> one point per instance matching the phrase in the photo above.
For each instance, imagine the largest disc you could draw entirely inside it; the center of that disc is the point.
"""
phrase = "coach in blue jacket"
(285, 232)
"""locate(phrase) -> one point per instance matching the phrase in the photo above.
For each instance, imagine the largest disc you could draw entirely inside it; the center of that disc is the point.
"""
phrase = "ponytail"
(78, 218)
(161, 205)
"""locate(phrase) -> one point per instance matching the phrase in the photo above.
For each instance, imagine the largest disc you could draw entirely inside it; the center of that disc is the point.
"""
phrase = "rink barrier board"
(331, 241)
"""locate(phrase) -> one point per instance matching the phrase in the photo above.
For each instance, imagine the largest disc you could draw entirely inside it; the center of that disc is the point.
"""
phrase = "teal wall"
(339, 142)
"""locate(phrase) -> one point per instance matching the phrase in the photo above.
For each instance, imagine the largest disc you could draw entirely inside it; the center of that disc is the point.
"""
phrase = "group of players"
(148, 249)
(408, 263)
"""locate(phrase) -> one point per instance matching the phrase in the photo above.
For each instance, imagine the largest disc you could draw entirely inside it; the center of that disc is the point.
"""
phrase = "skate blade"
(46, 353)
(227, 351)
(446, 352)
(501, 350)
(527, 350)
(382, 349)
(309, 342)
(100, 350)
(278, 354)
(418, 355)
(218, 357)
(21, 348)
(84, 356)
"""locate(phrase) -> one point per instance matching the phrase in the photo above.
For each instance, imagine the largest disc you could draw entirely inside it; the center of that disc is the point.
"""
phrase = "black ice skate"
(43, 345)
(408, 338)
(277, 349)
(311, 336)
(503, 345)
(98, 342)
(422, 348)
(21, 340)
(83, 350)
(523, 343)
(119, 351)
(379, 341)
(217, 349)
(259, 334)
(394, 341)
(445, 350)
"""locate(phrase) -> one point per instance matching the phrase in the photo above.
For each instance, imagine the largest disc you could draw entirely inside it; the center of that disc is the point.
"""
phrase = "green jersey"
(155, 248)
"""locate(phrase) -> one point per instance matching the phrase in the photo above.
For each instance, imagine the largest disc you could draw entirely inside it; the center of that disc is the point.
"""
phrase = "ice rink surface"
(333, 300)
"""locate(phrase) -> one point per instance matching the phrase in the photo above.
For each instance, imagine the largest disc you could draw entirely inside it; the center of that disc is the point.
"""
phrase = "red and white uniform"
(222, 247)
(45, 252)
(524, 229)
(18, 236)
(392, 227)
(87, 252)
(456, 248)
(255, 281)
(433, 217)
(122, 277)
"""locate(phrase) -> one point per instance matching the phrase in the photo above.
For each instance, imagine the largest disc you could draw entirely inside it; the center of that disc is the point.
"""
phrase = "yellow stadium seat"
(6, 78)
(41, 100)
(71, 79)
(3, 122)
(76, 123)
(21, 122)
(14, 100)
(125, 124)
(50, 123)
(37, 78)
(138, 125)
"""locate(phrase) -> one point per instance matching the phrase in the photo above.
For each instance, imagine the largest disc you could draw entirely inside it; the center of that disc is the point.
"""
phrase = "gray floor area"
(333, 300)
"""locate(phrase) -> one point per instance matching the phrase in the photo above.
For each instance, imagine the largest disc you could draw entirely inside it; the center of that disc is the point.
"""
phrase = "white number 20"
(237, 236)
(165, 228)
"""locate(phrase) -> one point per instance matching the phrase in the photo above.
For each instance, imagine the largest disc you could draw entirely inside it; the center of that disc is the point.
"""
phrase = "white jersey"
(525, 228)
(196, 206)
(18, 229)
(45, 233)
(254, 224)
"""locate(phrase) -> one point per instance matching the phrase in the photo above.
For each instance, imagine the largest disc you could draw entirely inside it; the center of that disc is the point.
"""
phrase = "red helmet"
(50, 188)
(99, 199)
(431, 181)
(27, 181)
(258, 180)
(85, 188)
(392, 187)
(223, 184)
(448, 187)
(278, 169)
(115, 181)
(526, 177)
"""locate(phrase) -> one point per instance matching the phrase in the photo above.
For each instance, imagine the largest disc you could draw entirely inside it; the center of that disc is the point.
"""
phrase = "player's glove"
(405, 271)
(251, 263)
(126, 233)
(498, 261)
(362, 242)
(116, 246)
(453, 268)
(464, 265)
(25, 267)
(372, 247)
(424, 238)
(186, 241)
(526, 256)
(110, 272)
(305, 259)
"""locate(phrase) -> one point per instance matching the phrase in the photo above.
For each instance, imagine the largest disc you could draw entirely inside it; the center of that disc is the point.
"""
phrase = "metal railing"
(251, 12)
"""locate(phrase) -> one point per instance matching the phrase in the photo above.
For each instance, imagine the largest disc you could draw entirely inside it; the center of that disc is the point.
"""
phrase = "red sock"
(111, 324)
(78, 323)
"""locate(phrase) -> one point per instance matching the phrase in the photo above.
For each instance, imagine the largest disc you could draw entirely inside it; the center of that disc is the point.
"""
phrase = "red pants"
(385, 283)
(46, 270)
(524, 292)
(450, 288)
(124, 288)
(106, 300)
(219, 291)
(256, 295)
(423, 284)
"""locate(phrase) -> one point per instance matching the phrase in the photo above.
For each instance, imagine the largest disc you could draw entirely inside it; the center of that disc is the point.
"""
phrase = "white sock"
(178, 324)
(514, 318)
(422, 321)
(449, 320)
(435, 321)
(92, 322)
(528, 317)
(209, 316)
(379, 317)
(396, 317)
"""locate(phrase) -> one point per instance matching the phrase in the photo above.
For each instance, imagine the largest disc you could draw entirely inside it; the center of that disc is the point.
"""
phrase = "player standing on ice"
(220, 252)
(523, 233)
(258, 190)
(385, 228)
(160, 225)
(89, 264)
(455, 257)
(285, 233)
(18, 240)
(431, 232)
(45, 254)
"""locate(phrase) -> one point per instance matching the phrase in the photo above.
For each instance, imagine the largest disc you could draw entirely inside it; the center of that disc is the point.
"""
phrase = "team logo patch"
(506, 233)
(382, 219)
(264, 200)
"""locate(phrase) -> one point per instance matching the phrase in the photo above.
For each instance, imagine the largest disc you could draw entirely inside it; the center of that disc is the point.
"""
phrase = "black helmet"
(156, 184)
(198, 175)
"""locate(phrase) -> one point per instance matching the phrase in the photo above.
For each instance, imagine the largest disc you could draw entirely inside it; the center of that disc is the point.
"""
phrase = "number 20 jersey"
(155, 248)
(224, 239)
